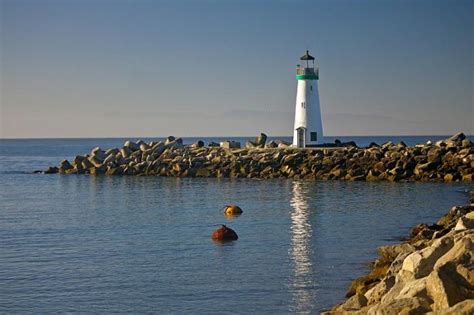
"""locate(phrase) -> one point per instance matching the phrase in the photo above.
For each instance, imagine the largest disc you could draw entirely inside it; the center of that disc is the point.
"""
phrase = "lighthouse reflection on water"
(300, 251)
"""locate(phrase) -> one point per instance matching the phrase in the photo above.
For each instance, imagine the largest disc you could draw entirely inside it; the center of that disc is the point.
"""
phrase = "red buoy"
(224, 234)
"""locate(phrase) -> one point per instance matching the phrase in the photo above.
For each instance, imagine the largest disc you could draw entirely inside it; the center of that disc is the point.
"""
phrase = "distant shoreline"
(229, 137)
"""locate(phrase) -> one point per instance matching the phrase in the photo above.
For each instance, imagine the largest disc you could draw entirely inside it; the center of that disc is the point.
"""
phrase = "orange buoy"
(224, 234)
(232, 210)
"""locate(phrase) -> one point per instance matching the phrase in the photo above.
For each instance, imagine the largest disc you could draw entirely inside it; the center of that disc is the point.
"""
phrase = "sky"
(121, 68)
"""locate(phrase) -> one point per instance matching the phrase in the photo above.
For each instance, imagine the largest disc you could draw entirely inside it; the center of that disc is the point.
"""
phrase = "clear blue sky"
(111, 68)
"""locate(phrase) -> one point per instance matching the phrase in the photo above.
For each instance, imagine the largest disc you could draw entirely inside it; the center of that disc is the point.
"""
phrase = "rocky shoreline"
(432, 271)
(448, 160)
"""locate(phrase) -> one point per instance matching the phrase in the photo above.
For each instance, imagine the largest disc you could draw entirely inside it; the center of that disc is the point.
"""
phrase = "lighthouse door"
(300, 133)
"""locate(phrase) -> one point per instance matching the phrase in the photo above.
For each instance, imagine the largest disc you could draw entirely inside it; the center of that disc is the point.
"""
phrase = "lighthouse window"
(303, 104)
(311, 87)
(314, 136)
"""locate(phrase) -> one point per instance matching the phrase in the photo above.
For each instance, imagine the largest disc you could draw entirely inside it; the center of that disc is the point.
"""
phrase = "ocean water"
(142, 244)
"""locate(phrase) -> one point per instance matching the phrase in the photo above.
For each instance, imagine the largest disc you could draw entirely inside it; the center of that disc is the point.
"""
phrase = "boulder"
(349, 144)
(52, 170)
(169, 139)
(175, 144)
(464, 223)
(466, 143)
(468, 178)
(113, 151)
(109, 159)
(95, 162)
(132, 146)
(445, 287)
(283, 144)
(202, 172)
(465, 307)
(416, 288)
(126, 151)
(86, 164)
(251, 145)
(448, 178)
(271, 144)
(97, 170)
(380, 167)
(390, 252)
(375, 294)
(198, 144)
(64, 165)
(413, 306)
(460, 254)
(144, 147)
(71, 171)
(78, 160)
(354, 303)
(420, 263)
(457, 137)
(261, 140)
(98, 154)
(114, 171)
(434, 155)
(424, 167)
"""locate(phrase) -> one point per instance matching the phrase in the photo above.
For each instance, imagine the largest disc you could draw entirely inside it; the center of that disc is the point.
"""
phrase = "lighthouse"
(308, 130)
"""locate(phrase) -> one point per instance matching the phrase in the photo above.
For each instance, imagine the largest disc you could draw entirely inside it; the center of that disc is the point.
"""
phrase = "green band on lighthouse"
(307, 77)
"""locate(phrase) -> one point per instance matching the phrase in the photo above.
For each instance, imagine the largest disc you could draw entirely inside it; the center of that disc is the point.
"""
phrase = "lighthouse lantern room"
(308, 129)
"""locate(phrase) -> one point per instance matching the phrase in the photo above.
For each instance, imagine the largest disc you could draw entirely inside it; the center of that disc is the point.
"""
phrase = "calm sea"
(142, 244)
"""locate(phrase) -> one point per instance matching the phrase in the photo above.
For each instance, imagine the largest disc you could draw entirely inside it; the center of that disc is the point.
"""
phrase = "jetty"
(447, 160)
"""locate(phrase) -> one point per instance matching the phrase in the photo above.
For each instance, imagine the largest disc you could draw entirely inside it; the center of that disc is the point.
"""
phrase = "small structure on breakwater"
(448, 160)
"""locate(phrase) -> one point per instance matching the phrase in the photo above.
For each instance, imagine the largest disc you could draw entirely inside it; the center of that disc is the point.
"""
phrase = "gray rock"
(78, 159)
(52, 170)
(65, 165)
(113, 151)
(261, 140)
(271, 144)
(95, 162)
(144, 146)
(251, 145)
(98, 153)
(283, 144)
(126, 151)
(170, 139)
(198, 144)
(457, 137)
(132, 146)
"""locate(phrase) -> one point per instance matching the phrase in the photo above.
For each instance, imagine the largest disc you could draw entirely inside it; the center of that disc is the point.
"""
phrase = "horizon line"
(187, 137)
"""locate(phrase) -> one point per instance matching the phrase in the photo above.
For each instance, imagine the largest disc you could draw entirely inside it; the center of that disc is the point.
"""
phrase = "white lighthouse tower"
(308, 130)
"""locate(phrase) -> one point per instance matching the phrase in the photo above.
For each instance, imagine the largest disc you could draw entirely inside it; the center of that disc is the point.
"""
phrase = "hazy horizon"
(230, 137)
(118, 69)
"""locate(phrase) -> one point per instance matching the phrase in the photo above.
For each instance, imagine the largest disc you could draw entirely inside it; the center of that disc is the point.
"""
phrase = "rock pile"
(433, 271)
(448, 160)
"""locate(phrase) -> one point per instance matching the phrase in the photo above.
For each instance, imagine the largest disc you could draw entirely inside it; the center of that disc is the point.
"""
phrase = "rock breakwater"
(433, 271)
(449, 160)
